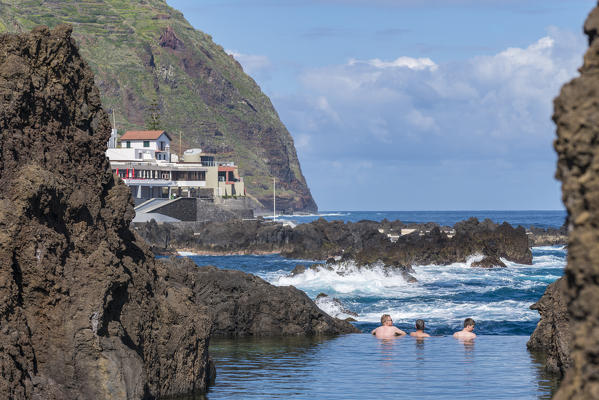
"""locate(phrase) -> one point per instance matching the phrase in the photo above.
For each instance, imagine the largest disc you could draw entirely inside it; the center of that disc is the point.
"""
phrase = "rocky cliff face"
(576, 116)
(85, 311)
(552, 335)
(145, 53)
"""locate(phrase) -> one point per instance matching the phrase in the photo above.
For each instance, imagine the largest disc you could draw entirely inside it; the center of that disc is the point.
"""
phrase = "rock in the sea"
(245, 305)
(552, 335)
(576, 114)
(85, 311)
(333, 306)
(489, 262)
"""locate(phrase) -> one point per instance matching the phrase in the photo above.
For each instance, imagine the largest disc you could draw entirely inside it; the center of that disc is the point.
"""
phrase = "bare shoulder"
(399, 331)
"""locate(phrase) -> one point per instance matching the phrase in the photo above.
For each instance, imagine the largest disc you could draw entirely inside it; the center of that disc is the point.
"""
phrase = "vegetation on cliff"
(145, 52)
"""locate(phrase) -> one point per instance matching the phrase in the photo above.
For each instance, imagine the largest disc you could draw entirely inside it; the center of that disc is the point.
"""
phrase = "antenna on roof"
(113, 134)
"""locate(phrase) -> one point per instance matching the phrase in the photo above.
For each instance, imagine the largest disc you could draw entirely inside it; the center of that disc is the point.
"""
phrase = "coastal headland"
(86, 309)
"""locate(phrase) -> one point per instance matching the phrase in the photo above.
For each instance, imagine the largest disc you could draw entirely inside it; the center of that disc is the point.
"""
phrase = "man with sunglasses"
(387, 330)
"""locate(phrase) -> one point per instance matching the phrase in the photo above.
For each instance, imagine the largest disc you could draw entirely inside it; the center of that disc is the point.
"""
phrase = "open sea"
(358, 366)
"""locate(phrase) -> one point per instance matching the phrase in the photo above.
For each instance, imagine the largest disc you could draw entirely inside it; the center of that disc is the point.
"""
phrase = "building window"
(146, 143)
(128, 144)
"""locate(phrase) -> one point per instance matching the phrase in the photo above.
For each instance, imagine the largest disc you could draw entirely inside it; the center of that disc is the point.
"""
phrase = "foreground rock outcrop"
(85, 311)
(552, 335)
(577, 118)
(245, 305)
(366, 242)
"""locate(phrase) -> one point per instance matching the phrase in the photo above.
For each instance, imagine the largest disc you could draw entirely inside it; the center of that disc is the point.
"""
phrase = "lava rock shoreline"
(365, 242)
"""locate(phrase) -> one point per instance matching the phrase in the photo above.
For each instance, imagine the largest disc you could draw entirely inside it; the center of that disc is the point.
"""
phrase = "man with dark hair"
(387, 330)
(419, 330)
(466, 333)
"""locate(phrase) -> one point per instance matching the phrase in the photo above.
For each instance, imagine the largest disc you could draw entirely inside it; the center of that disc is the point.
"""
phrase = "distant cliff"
(145, 52)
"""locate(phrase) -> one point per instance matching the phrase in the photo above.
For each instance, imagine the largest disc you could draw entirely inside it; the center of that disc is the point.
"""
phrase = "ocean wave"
(443, 312)
(332, 214)
(186, 253)
(348, 277)
(549, 248)
(333, 307)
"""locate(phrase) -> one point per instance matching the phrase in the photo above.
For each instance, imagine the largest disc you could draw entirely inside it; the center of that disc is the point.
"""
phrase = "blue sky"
(411, 104)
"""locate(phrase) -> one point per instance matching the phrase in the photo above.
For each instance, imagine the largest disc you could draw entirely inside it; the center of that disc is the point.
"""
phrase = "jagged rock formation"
(85, 311)
(245, 305)
(576, 116)
(548, 236)
(144, 53)
(361, 241)
(552, 335)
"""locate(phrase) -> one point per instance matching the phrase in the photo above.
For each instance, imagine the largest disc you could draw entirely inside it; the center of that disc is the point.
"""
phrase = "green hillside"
(145, 51)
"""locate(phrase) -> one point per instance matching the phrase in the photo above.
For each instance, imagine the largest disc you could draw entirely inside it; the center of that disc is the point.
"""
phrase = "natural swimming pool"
(359, 366)
(496, 366)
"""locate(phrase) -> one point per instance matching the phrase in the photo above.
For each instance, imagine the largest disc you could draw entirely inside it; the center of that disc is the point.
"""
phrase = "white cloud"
(251, 63)
(408, 107)
(400, 62)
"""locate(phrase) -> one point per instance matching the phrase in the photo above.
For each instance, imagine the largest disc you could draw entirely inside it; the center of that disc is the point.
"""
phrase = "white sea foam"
(186, 253)
(332, 307)
(439, 310)
(332, 214)
(347, 277)
(549, 248)
(442, 294)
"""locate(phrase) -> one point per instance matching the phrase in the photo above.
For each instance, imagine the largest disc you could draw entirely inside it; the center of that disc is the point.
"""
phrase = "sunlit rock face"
(577, 119)
(85, 310)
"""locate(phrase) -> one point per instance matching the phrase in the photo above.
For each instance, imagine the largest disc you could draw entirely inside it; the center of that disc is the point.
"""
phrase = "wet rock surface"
(324, 301)
(242, 304)
(365, 242)
(576, 114)
(85, 311)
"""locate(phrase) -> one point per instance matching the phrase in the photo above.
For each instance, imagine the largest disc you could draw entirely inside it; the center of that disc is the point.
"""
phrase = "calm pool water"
(359, 366)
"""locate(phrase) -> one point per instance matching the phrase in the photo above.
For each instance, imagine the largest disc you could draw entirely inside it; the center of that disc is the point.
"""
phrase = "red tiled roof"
(144, 135)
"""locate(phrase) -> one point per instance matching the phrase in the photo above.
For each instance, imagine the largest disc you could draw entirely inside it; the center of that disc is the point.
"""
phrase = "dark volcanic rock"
(85, 311)
(552, 335)
(244, 305)
(489, 262)
(361, 241)
(548, 236)
(576, 115)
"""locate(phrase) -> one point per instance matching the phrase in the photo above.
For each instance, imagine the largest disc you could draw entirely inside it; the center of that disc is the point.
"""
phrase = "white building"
(141, 145)
(145, 164)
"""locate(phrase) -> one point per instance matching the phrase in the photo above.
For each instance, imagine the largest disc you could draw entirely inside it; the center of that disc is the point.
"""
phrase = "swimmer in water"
(466, 333)
(387, 330)
(419, 330)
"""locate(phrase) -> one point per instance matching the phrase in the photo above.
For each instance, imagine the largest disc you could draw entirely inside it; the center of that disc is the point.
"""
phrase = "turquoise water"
(360, 366)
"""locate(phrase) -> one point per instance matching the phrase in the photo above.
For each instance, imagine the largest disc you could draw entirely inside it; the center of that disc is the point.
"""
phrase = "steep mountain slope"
(145, 52)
